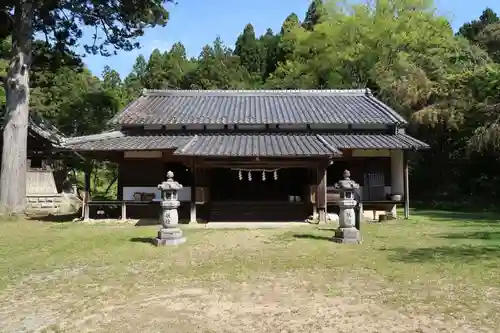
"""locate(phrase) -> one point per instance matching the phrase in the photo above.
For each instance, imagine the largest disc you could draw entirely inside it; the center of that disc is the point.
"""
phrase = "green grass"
(437, 266)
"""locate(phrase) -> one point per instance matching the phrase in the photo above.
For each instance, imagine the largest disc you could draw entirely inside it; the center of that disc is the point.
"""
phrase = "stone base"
(169, 236)
(347, 236)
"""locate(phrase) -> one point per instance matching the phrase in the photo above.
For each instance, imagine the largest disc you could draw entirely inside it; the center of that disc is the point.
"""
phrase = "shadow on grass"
(478, 235)
(462, 253)
(309, 236)
(144, 240)
(451, 216)
(53, 218)
(147, 222)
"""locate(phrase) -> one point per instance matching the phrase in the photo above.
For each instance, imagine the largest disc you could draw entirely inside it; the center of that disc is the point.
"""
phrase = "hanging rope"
(256, 170)
(249, 171)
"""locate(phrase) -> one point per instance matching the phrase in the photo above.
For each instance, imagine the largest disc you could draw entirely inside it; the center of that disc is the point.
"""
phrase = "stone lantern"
(169, 233)
(347, 232)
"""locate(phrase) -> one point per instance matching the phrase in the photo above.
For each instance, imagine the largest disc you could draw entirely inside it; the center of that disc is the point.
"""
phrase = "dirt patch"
(264, 305)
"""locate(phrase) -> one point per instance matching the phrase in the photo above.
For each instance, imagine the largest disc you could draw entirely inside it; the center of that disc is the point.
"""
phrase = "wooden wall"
(358, 167)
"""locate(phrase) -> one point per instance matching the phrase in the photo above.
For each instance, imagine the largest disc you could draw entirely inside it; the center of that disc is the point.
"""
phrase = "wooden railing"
(202, 197)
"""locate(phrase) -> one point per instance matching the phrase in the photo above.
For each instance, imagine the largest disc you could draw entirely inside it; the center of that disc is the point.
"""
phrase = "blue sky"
(198, 22)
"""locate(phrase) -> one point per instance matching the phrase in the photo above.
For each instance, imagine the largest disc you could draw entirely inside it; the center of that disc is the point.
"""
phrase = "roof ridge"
(93, 137)
(166, 92)
(333, 149)
(187, 145)
(388, 110)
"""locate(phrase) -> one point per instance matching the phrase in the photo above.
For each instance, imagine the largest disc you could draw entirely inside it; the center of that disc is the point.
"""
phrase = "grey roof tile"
(257, 107)
(40, 127)
(374, 141)
(117, 141)
(240, 145)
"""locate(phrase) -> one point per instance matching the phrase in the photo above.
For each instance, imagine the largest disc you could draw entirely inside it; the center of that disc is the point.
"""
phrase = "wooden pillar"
(119, 181)
(406, 186)
(313, 191)
(321, 203)
(192, 210)
(124, 211)
(86, 195)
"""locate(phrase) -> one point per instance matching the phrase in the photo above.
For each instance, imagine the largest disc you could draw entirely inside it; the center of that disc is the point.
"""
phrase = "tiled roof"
(257, 145)
(240, 144)
(39, 127)
(167, 107)
(374, 141)
(117, 141)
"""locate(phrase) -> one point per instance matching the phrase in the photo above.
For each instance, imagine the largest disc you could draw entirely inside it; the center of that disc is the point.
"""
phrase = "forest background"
(445, 82)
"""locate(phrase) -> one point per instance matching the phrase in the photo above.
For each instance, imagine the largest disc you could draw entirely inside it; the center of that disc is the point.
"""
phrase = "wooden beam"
(406, 185)
(258, 164)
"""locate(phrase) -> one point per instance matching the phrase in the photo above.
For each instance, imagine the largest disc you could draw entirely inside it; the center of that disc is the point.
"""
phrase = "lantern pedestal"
(347, 232)
(347, 236)
(169, 234)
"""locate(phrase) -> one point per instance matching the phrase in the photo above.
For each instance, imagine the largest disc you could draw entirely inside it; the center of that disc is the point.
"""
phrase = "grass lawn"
(438, 272)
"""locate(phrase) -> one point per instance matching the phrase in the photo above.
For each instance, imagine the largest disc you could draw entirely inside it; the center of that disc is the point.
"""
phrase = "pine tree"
(249, 51)
(314, 14)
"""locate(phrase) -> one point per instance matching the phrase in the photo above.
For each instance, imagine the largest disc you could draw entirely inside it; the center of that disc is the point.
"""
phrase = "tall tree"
(177, 66)
(484, 32)
(288, 38)
(217, 68)
(269, 44)
(489, 40)
(249, 50)
(62, 23)
(112, 85)
(314, 14)
(156, 77)
(473, 29)
(135, 81)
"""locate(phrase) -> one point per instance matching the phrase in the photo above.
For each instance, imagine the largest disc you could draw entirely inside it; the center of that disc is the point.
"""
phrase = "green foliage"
(249, 51)
(446, 84)
(63, 22)
(217, 68)
(315, 14)
(472, 30)
(484, 32)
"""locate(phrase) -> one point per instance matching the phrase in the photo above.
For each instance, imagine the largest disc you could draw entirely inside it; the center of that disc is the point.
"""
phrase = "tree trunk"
(15, 132)
(113, 181)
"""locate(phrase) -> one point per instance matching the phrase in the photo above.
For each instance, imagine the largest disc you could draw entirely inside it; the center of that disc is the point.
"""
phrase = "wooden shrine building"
(44, 175)
(255, 155)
